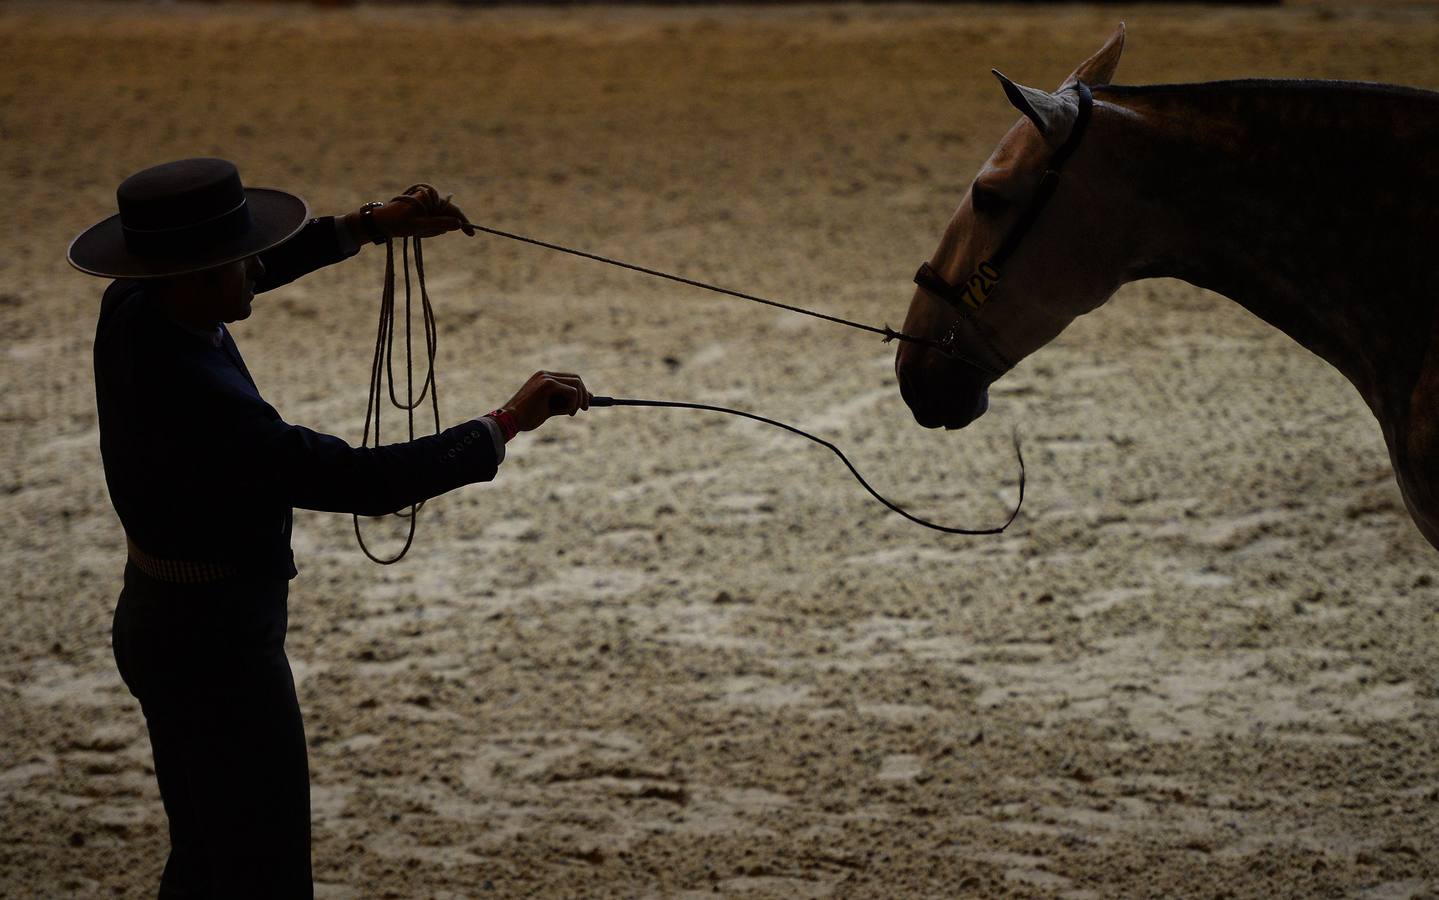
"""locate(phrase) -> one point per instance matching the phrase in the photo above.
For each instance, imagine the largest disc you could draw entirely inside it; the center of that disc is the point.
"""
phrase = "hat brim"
(276, 216)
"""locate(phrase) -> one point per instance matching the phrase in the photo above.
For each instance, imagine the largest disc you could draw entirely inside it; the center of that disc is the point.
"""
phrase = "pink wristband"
(506, 419)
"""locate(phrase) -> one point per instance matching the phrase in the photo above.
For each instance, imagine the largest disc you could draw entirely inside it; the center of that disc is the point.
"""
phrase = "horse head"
(989, 317)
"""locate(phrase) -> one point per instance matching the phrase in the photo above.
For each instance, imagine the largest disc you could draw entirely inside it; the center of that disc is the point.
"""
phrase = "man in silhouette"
(203, 474)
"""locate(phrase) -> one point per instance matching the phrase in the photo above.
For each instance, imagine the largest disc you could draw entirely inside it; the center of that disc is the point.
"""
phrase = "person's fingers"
(572, 398)
(549, 394)
(428, 226)
(578, 384)
(563, 397)
(462, 221)
(585, 394)
(425, 193)
(584, 400)
(581, 395)
(451, 209)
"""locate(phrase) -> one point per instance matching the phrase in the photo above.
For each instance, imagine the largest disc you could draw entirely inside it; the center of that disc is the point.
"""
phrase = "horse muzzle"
(941, 392)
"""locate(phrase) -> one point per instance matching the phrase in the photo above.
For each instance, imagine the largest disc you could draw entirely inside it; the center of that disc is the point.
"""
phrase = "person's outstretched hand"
(421, 212)
(547, 394)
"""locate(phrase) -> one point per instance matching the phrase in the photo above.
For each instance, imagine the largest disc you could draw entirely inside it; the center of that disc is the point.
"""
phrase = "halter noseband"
(968, 297)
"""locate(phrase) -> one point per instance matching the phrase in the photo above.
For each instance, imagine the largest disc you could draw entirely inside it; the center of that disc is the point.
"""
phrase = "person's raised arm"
(419, 212)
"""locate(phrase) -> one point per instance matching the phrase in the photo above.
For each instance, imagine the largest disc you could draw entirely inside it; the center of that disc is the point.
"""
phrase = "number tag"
(980, 285)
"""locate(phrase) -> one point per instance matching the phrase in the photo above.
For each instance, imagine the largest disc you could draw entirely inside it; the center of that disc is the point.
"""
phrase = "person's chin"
(242, 313)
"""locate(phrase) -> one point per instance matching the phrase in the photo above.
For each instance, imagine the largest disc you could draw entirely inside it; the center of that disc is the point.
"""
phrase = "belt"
(179, 571)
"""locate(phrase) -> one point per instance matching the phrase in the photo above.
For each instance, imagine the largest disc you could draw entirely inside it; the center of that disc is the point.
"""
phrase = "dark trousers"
(208, 665)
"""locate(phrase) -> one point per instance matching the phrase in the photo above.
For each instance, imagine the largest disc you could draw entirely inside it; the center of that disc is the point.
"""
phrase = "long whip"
(947, 529)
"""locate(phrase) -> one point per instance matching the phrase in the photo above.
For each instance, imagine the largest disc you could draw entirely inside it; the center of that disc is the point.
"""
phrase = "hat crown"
(185, 216)
(179, 194)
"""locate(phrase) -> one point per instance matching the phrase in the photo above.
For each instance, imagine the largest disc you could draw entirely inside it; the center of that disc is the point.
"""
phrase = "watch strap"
(367, 221)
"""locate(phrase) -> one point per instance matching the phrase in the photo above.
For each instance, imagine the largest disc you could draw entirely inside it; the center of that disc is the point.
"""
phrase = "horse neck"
(1308, 203)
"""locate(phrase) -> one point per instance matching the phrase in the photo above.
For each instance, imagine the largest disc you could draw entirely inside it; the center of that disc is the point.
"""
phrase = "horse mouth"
(953, 416)
(981, 406)
(950, 410)
(941, 391)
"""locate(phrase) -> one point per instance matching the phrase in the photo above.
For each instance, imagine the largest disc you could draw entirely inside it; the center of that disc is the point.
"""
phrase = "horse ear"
(1099, 68)
(1052, 114)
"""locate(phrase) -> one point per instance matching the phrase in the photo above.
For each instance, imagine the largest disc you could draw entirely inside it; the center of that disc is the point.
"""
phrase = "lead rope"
(382, 370)
(888, 334)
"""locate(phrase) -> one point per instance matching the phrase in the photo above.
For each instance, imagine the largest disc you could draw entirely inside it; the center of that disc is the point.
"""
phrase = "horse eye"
(986, 199)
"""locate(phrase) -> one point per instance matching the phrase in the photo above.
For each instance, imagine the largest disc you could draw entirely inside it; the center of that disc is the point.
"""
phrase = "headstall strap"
(972, 294)
(975, 291)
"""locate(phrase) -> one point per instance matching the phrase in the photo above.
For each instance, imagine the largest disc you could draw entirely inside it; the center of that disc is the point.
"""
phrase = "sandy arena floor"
(668, 653)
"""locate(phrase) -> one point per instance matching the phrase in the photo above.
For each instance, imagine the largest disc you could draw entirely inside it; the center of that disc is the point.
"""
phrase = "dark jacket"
(201, 468)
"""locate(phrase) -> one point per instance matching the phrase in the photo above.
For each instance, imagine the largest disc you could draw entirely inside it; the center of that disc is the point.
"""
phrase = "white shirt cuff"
(497, 434)
(348, 245)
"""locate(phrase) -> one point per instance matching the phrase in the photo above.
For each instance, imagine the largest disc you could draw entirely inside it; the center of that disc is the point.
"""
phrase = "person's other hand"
(421, 212)
(547, 394)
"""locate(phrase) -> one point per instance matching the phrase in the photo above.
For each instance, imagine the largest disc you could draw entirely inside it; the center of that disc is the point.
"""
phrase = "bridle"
(970, 296)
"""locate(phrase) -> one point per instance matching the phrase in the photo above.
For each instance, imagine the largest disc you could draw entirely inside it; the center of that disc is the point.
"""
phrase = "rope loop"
(382, 370)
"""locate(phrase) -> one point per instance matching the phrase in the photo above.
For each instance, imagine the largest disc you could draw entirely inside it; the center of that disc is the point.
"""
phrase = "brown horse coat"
(1313, 204)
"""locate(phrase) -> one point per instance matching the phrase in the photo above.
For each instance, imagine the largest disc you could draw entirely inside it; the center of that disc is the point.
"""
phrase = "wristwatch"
(367, 219)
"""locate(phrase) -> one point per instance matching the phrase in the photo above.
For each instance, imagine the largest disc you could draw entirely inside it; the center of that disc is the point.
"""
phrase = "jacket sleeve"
(313, 470)
(323, 472)
(315, 246)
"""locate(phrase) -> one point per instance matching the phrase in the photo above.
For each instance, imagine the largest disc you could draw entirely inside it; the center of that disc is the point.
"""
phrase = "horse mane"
(1300, 86)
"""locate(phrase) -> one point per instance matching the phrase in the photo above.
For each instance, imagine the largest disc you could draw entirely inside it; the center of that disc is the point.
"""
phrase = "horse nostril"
(909, 390)
(905, 363)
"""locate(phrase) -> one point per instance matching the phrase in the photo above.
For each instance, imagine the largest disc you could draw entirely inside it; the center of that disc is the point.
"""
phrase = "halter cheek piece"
(968, 297)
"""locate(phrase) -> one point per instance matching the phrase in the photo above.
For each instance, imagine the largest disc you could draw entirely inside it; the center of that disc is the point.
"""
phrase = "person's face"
(229, 289)
(219, 294)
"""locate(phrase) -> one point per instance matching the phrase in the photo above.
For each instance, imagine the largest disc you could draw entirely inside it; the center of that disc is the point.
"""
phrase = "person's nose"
(257, 268)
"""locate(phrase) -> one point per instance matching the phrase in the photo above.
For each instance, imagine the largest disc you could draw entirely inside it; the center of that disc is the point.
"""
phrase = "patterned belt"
(179, 571)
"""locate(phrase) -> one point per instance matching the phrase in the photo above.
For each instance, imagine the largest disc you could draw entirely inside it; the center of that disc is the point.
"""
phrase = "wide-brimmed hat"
(185, 216)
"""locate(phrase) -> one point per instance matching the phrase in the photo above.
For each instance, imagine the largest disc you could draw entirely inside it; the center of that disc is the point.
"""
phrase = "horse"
(1313, 204)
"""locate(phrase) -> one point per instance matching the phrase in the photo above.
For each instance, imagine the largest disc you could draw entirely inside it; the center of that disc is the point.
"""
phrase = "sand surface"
(667, 653)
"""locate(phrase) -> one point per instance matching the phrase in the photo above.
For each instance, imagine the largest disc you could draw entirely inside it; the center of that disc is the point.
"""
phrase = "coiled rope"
(382, 370)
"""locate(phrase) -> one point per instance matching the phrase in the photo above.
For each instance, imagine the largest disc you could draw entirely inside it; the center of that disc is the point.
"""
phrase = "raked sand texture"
(670, 653)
